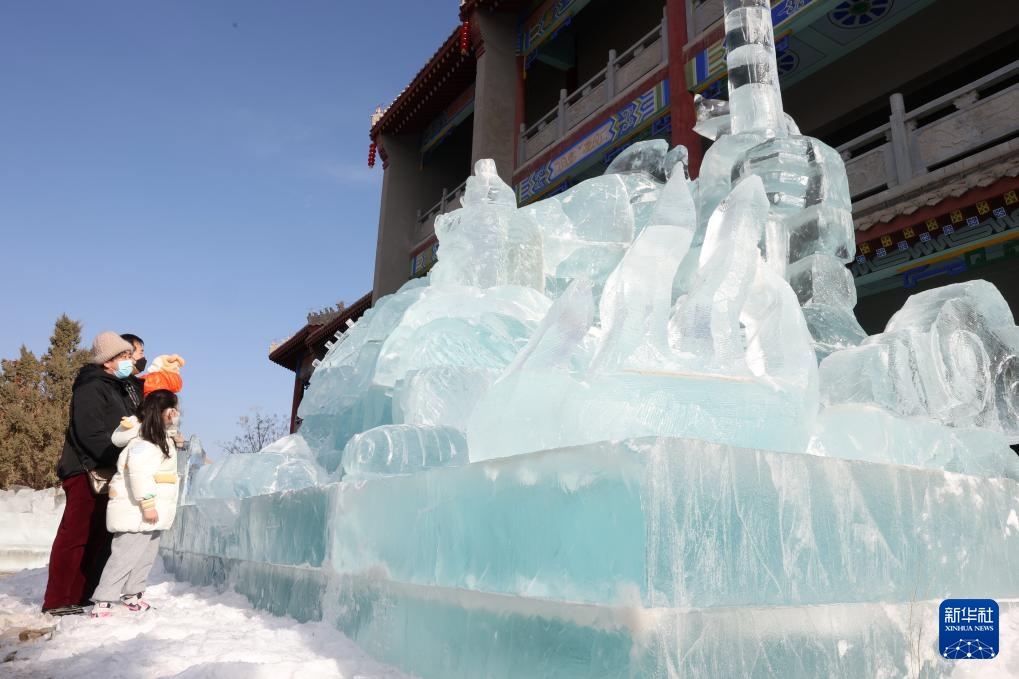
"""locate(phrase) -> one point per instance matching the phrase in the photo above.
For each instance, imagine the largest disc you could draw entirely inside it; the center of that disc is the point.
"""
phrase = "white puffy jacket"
(142, 470)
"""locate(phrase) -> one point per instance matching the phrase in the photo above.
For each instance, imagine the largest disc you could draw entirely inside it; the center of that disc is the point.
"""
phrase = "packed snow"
(193, 632)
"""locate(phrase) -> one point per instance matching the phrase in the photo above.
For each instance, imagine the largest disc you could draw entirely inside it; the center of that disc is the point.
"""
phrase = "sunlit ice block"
(448, 633)
(869, 432)
(403, 449)
(684, 523)
(288, 528)
(329, 432)
(649, 522)
(554, 410)
(244, 475)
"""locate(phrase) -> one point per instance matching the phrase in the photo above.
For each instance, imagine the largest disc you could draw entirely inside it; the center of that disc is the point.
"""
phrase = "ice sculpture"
(597, 442)
(282, 465)
(810, 228)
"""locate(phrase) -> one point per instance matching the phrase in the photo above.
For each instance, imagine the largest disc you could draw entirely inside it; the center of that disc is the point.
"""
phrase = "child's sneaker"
(102, 609)
(135, 603)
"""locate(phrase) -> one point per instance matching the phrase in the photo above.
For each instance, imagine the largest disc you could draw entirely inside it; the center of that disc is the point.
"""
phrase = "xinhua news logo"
(969, 629)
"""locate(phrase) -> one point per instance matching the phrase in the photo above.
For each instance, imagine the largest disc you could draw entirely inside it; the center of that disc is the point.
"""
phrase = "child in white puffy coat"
(143, 502)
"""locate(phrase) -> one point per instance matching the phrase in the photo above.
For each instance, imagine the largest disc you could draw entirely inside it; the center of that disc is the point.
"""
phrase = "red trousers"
(81, 547)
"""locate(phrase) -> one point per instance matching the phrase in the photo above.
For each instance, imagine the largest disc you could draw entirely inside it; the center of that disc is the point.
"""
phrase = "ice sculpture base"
(634, 558)
(437, 632)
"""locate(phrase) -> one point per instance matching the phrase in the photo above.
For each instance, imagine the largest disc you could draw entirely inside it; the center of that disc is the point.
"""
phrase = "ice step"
(445, 633)
(659, 522)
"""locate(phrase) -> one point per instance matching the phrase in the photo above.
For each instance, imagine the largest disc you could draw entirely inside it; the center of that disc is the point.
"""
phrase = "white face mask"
(175, 421)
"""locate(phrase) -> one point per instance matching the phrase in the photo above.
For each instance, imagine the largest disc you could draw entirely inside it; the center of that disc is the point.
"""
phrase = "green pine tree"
(34, 398)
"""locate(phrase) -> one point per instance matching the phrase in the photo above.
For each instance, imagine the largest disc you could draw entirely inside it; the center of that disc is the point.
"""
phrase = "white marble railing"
(703, 15)
(948, 129)
(619, 75)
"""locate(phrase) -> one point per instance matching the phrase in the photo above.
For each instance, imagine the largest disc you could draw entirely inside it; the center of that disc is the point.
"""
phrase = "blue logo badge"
(969, 629)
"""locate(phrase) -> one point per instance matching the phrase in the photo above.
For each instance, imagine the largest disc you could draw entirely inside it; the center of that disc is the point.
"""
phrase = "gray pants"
(128, 569)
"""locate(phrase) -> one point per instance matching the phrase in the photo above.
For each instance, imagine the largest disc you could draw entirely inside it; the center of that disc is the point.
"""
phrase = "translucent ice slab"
(244, 475)
(654, 522)
(950, 355)
(862, 432)
(631, 404)
(441, 396)
(403, 449)
(621, 559)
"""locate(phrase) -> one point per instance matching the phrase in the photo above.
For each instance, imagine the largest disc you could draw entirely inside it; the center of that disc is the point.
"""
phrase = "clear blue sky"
(194, 171)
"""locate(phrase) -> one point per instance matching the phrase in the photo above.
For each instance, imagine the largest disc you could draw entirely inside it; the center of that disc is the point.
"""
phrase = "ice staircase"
(641, 558)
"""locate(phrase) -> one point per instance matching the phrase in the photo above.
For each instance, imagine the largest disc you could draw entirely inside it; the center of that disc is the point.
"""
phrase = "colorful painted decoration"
(545, 25)
(629, 120)
(859, 13)
(949, 244)
(440, 128)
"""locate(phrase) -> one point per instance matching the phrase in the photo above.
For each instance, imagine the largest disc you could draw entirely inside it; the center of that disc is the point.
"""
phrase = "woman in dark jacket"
(99, 400)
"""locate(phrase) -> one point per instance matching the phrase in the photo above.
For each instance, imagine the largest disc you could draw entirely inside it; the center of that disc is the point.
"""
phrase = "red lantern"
(371, 155)
(465, 36)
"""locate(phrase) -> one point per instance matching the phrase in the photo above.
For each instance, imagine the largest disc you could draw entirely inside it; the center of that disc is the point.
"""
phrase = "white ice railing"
(948, 129)
(620, 74)
(426, 220)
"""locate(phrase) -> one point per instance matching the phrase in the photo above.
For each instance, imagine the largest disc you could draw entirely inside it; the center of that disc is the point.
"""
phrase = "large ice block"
(637, 297)
(487, 242)
(244, 475)
(950, 355)
(461, 326)
(646, 157)
(403, 449)
(441, 396)
(572, 543)
(868, 432)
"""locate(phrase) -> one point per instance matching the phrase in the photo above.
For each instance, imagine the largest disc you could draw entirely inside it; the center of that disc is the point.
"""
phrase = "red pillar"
(519, 119)
(298, 394)
(683, 115)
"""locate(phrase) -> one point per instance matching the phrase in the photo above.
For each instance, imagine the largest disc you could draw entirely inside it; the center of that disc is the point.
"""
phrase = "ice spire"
(755, 99)
(809, 234)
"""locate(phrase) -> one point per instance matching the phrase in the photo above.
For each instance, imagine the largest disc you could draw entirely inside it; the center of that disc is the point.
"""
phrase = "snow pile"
(29, 519)
(192, 633)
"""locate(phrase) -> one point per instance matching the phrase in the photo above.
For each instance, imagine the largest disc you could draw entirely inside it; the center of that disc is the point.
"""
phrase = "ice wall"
(597, 560)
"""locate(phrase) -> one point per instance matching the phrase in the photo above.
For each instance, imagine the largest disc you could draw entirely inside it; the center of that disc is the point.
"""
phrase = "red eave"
(325, 332)
(443, 78)
(446, 75)
(311, 338)
(285, 354)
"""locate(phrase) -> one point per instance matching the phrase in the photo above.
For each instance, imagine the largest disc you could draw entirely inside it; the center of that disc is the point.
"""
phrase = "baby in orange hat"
(164, 374)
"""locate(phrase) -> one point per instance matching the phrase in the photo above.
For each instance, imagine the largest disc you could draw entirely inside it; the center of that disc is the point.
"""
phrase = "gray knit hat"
(108, 344)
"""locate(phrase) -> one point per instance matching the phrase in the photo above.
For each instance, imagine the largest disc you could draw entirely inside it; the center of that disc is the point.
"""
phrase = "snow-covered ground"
(29, 519)
(194, 632)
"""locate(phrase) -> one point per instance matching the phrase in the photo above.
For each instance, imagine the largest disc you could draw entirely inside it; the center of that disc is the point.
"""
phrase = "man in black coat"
(98, 402)
(134, 384)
